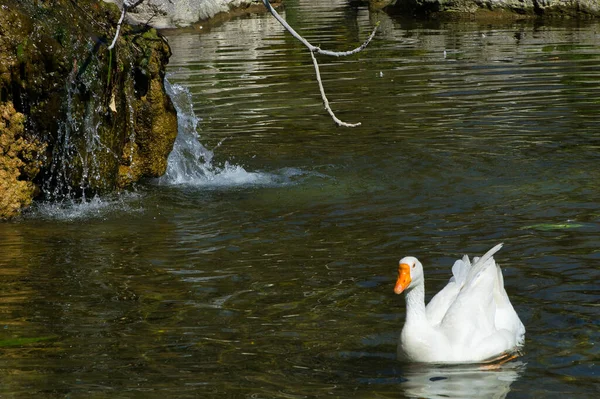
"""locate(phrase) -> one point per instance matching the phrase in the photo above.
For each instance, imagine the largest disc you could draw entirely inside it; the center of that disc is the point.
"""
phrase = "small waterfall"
(78, 154)
(190, 163)
(58, 184)
(80, 157)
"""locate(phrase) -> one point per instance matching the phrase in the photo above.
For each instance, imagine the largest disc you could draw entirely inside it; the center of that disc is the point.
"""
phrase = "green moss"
(553, 226)
(21, 51)
(151, 34)
(22, 341)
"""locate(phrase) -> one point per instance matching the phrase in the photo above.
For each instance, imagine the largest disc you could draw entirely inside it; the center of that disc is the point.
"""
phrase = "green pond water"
(263, 264)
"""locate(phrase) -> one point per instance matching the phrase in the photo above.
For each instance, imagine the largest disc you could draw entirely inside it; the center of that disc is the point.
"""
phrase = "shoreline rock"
(166, 14)
(490, 8)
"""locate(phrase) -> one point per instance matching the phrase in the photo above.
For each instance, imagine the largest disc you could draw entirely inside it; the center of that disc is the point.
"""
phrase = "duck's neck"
(415, 305)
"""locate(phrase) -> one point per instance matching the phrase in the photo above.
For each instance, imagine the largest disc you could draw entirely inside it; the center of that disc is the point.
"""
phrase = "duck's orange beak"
(403, 278)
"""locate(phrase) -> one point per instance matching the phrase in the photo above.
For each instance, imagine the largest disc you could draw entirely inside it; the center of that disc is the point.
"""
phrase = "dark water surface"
(266, 268)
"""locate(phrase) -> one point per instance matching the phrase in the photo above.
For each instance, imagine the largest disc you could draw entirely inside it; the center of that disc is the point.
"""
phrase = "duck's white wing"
(474, 306)
(472, 314)
(482, 320)
(506, 317)
(439, 304)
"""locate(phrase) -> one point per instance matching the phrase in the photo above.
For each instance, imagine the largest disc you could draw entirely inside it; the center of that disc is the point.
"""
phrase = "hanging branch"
(112, 45)
(318, 50)
(126, 6)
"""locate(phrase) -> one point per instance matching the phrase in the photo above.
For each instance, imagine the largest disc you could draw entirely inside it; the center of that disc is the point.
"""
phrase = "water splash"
(190, 163)
(95, 207)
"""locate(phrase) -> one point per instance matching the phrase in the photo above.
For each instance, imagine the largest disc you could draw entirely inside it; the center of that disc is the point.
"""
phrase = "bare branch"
(315, 49)
(283, 22)
(324, 97)
(127, 5)
(353, 51)
(112, 45)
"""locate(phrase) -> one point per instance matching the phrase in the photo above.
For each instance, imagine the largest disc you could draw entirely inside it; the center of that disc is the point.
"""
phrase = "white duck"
(471, 320)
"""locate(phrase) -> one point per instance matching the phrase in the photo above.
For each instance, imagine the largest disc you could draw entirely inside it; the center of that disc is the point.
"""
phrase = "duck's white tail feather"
(460, 270)
(480, 264)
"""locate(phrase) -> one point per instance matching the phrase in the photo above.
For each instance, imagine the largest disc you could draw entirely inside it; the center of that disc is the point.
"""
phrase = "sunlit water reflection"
(208, 285)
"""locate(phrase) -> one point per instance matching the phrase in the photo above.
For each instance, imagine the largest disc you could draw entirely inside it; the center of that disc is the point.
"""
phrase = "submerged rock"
(75, 118)
(489, 7)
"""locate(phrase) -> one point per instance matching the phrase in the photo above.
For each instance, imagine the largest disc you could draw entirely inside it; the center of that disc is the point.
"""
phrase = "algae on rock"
(19, 162)
(155, 120)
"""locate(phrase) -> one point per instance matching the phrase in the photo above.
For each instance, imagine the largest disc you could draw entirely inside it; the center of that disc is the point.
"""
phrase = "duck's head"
(410, 273)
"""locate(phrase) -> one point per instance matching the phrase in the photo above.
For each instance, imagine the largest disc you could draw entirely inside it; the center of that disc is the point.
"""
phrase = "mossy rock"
(100, 115)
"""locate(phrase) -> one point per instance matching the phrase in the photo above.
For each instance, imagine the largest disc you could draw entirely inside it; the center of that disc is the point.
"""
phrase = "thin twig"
(287, 26)
(318, 50)
(324, 97)
(126, 6)
(354, 51)
(112, 45)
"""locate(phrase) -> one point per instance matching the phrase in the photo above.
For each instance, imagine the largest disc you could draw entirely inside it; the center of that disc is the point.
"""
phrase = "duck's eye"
(414, 265)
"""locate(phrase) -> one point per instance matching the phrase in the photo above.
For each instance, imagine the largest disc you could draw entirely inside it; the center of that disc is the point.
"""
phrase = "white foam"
(77, 209)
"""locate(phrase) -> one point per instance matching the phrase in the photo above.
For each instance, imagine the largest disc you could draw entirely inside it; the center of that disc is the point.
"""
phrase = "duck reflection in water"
(469, 381)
